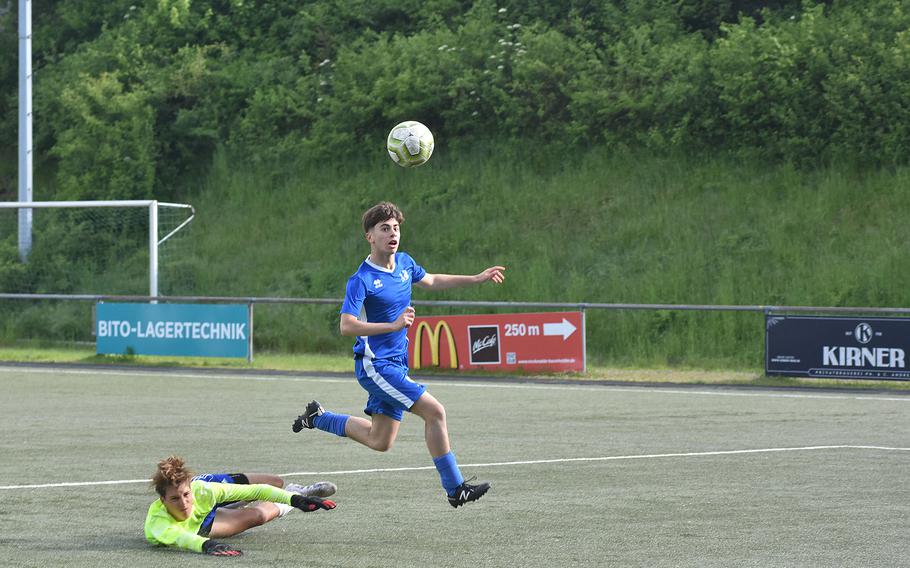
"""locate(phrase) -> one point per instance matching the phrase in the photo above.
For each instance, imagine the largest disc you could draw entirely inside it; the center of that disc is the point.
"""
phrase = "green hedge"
(131, 96)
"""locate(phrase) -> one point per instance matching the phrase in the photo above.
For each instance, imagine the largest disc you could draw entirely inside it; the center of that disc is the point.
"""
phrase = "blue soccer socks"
(331, 422)
(449, 473)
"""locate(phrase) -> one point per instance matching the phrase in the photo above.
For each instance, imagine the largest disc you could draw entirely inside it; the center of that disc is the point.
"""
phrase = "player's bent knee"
(381, 442)
(381, 445)
(260, 518)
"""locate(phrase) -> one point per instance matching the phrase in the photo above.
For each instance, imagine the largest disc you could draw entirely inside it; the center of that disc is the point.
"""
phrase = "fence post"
(584, 338)
(249, 351)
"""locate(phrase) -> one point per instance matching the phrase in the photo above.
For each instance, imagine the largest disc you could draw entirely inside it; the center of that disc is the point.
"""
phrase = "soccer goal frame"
(25, 227)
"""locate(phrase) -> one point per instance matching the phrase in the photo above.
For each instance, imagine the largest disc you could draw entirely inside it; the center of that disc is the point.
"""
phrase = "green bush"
(131, 98)
(105, 142)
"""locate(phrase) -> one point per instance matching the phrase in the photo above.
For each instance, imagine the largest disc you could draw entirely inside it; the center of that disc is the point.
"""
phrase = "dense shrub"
(131, 97)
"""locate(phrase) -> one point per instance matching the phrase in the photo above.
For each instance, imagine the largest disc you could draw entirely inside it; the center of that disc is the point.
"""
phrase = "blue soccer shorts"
(386, 380)
(206, 527)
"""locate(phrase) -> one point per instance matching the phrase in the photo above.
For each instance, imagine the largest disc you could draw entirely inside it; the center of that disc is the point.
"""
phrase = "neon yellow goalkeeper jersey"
(161, 528)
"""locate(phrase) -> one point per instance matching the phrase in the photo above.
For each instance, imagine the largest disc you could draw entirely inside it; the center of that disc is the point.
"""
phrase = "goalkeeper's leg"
(265, 479)
(242, 479)
(230, 522)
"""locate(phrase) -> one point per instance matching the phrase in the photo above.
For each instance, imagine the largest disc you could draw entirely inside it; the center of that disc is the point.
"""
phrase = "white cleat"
(318, 489)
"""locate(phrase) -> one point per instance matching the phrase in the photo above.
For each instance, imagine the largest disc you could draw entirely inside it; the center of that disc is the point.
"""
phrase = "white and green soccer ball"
(410, 144)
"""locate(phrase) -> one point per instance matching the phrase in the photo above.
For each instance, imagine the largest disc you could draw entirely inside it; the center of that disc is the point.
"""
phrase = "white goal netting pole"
(153, 205)
(25, 126)
(153, 249)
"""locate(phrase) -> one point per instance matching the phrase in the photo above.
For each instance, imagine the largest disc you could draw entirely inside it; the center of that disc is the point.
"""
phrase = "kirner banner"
(837, 347)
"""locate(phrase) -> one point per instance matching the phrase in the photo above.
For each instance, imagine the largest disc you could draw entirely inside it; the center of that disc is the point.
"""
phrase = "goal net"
(95, 247)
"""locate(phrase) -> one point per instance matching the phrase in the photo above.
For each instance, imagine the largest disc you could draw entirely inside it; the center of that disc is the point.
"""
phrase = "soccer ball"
(410, 144)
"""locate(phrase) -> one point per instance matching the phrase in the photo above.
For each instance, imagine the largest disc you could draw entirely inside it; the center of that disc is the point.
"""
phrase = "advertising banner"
(201, 330)
(551, 341)
(837, 347)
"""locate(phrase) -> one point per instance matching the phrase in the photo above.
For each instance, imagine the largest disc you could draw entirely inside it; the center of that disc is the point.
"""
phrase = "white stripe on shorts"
(374, 375)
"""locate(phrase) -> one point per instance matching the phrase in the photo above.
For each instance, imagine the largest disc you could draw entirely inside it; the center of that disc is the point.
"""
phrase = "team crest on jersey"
(377, 283)
(404, 276)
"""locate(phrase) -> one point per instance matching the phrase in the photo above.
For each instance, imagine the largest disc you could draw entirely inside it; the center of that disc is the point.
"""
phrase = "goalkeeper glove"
(308, 504)
(213, 548)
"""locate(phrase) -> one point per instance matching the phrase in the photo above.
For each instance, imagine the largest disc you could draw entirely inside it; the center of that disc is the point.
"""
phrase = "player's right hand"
(309, 504)
(213, 548)
(406, 318)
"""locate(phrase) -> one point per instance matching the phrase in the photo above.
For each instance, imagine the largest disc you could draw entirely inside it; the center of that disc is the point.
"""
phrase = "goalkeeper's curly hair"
(172, 470)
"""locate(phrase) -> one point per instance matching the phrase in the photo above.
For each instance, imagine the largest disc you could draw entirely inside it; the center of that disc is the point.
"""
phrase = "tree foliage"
(130, 96)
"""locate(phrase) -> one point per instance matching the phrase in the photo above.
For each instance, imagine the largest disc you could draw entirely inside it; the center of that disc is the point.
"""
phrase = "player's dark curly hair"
(172, 471)
(380, 212)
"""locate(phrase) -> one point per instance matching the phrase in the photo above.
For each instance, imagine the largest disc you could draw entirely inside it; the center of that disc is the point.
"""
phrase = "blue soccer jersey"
(378, 294)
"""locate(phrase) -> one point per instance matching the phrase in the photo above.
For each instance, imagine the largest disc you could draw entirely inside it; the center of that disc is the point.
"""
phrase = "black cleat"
(467, 492)
(308, 418)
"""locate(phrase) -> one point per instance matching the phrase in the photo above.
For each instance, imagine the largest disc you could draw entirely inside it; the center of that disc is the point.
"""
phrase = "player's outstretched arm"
(445, 281)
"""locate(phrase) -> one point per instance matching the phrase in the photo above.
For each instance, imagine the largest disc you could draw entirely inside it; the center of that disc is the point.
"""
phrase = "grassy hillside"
(580, 227)
(571, 226)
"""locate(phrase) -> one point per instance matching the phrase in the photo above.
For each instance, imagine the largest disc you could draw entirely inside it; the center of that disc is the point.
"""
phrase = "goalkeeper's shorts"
(390, 388)
(236, 478)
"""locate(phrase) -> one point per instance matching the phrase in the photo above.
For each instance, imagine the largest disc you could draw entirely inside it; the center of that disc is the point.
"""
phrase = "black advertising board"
(837, 347)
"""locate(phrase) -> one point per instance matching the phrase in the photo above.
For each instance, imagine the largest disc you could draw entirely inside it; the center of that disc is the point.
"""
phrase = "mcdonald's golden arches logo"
(435, 337)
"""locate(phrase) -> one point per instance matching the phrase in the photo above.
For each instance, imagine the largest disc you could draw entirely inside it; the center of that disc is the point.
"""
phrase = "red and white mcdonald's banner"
(553, 341)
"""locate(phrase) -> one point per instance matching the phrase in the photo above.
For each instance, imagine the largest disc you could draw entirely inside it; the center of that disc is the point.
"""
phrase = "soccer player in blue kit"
(377, 310)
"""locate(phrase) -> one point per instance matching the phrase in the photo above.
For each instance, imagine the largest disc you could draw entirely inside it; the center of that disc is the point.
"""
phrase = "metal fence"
(284, 331)
(581, 306)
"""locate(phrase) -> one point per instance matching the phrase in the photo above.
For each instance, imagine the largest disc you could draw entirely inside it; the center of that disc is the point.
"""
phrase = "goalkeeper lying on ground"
(191, 511)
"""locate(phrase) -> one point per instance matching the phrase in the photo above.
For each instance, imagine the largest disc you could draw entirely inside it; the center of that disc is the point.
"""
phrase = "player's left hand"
(494, 273)
(213, 548)
(308, 504)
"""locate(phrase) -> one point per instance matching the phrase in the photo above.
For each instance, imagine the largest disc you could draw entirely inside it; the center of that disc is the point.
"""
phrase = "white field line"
(456, 384)
(502, 464)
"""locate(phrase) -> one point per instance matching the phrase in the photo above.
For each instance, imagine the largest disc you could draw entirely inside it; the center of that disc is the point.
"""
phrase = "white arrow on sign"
(563, 328)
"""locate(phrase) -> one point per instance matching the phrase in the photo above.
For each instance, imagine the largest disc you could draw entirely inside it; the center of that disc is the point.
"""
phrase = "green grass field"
(31, 353)
(582, 475)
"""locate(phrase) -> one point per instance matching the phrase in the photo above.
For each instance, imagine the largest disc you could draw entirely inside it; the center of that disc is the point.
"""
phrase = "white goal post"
(154, 239)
